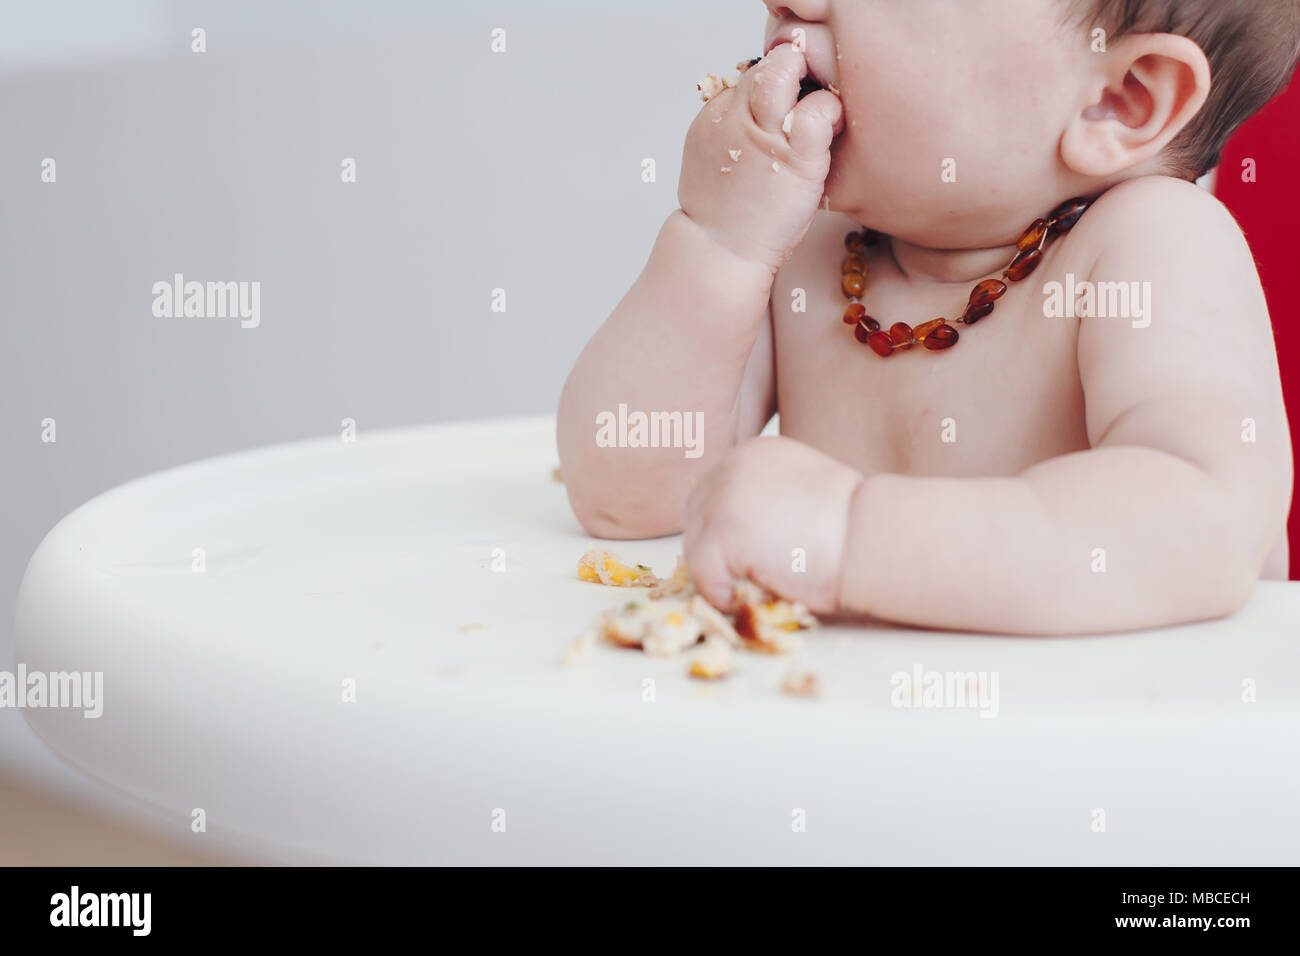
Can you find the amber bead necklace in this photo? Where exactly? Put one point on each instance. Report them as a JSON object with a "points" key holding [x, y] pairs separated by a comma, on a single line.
{"points": [[937, 335]]}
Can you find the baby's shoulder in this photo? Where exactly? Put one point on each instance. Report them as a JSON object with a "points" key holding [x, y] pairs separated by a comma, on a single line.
{"points": [[1176, 242], [1154, 215]]}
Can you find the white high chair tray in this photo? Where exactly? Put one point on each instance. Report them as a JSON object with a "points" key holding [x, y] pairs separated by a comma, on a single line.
{"points": [[373, 562]]}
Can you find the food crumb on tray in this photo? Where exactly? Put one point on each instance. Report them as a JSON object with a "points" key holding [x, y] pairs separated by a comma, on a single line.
{"points": [[604, 567], [770, 625], [801, 683], [713, 661], [580, 648]]}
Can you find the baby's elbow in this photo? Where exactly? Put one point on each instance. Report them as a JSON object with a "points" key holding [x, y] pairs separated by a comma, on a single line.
{"points": [[620, 520], [599, 523], [1232, 588], [612, 499], [1231, 571]]}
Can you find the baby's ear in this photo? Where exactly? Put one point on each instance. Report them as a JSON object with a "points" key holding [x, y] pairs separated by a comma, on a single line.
{"points": [[1145, 89]]}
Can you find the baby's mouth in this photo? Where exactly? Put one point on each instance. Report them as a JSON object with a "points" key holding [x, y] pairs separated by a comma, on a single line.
{"points": [[812, 80], [809, 84]]}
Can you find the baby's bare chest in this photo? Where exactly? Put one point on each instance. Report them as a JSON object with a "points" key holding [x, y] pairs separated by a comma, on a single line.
{"points": [[1005, 396]]}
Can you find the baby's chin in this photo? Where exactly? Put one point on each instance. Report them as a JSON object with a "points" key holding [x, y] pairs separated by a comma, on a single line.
{"points": [[854, 186], [842, 193]]}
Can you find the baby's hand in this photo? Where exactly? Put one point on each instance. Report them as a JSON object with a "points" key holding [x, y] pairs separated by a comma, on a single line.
{"points": [[775, 512], [756, 159]]}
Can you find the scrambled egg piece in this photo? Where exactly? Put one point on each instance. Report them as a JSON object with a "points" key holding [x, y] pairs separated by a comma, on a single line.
{"points": [[771, 626], [713, 662], [604, 567], [661, 630], [626, 626], [801, 683]]}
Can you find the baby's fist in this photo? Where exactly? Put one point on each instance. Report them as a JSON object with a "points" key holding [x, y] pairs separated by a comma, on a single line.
{"points": [[757, 157], [774, 512]]}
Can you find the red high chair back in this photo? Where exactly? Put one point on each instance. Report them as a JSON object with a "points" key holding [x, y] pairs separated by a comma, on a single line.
{"points": [[1268, 210]]}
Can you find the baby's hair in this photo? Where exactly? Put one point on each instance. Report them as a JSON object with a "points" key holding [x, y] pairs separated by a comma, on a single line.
{"points": [[1252, 47]]}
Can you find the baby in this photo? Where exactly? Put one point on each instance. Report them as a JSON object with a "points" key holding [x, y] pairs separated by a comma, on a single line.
{"points": [[1093, 441]]}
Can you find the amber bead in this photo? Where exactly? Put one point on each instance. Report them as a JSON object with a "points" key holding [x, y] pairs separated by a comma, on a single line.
{"points": [[1023, 264], [1064, 216], [976, 311], [921, 331], [1033, 237], [900, 333], [854, 263], [861, 332], [853, 283], [854, 313], [853, 242], [870, 323], [880, 343], [944, 337], [990, 290]]}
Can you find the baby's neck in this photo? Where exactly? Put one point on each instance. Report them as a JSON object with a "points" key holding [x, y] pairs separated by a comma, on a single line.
{"points": [[920, 264]]}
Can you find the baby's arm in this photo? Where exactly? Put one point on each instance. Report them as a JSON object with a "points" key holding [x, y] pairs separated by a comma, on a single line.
{"points": [[690, 336], [1184, 502], [693, 334]]}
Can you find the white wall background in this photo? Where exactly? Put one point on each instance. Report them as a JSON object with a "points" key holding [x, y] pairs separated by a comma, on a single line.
{"points": [[475, 170]]}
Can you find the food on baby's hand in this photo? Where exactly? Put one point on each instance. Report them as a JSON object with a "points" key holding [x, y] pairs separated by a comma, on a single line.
{"points": [[713, 84], [709, 87], [603, 566]]}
